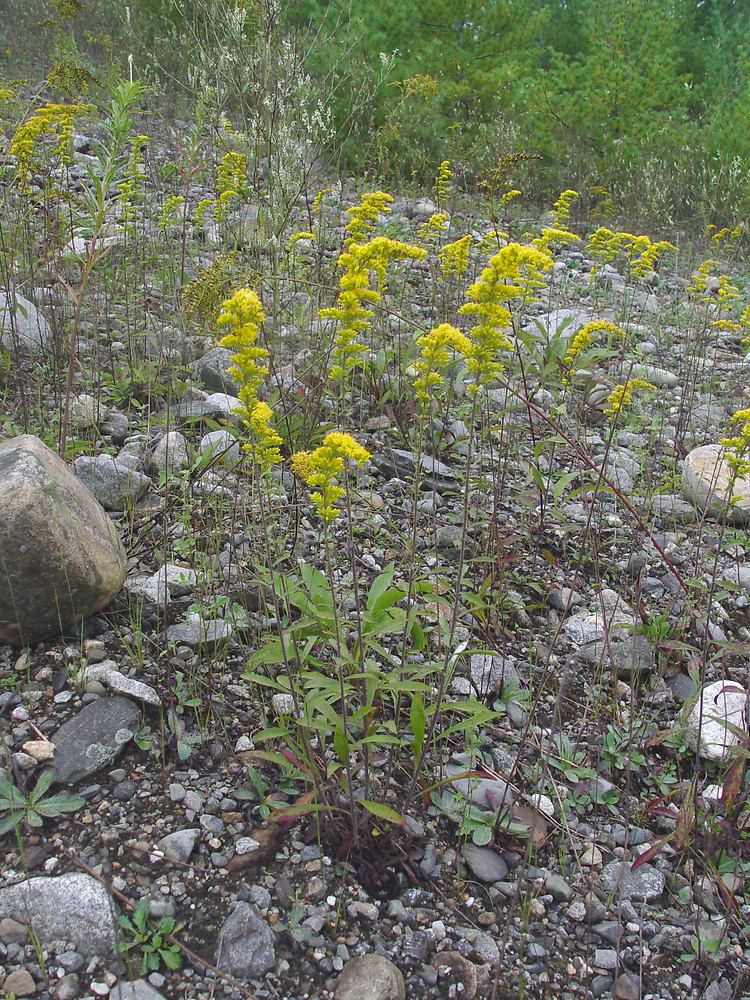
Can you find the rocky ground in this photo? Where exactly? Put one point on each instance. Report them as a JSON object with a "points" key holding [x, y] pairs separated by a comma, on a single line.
{"points": [[612, 639]]}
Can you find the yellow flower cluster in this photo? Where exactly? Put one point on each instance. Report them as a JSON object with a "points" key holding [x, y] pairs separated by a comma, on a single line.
{"points": [[513, 274], [433, 229], [641, 254], [51, 119], [442, 186], [241, 316], [561, 208], [298, 237], [622, 395], [169, 209], [585, 337], [362, 217], [718, 290], [132, 184], [454, 257], [231, 180], [737, 448], [319, 198], [323, 467], [493, 241], [509, 196], [264, 440], [725, 237], [551, 236], [438, 348], [351, 313]]}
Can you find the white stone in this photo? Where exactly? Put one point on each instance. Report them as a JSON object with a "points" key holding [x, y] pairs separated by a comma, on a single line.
{"points": [[707, 481], [721, 705]]}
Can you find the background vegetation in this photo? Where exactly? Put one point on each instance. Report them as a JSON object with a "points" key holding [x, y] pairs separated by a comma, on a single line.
{"points": [[645, 101]]}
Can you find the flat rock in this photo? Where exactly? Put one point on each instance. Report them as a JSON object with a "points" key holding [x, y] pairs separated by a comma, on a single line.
{"points": [[22, 326], [61, 555], [626, 655], [370, 977], [485, 863], [398, 462], [645, 883], [115, 485], [19, 984], [94, 738], [669, 507], [74, 907], [246, 945], [659, 377], [720, 705], [112, 678], [138, 989], [706, 482]]}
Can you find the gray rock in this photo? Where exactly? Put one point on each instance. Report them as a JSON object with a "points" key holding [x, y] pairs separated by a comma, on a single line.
{"points": [[738, 575], [85, 411], [551, 322], [19, 984], [138, 989], [61, 556], [721, 705], [116, 425], [645, 883], [68, 988], [213, 371], [558, 888], [178, 846], [397, 462], [73, 907], [626, 987], [485, 863], [113, 484], [709, 483], [672, 508], [490, 674], [370, 977], [22, 326], [171, 454], [656, 376], [626, 656], [108, 674], [94, 738], [223, 446], [246, 944]]}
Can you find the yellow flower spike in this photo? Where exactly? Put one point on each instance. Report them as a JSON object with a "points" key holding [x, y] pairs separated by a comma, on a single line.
{"points": [[442, 187], [454, 257], [561, 208], [319, 198], [433, 229], [515, 273], [510, 196], [584, 338], [51, 119], [351, 314], [323, 468], [241, 316], [737, 449], [298, 237], [264, 441], [622, 396], [362, 217], [438, 348]]}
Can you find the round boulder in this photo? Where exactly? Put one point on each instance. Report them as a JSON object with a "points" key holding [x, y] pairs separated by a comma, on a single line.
{"points": [[709, 482], [61, 558]]}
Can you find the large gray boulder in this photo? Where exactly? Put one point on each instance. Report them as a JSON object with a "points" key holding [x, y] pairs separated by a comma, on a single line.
{"points": [[61, 558], [73, 907], [22, 326], [708, 482]]}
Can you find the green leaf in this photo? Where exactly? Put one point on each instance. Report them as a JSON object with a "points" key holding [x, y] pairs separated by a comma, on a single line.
{"points": [[379, 586], [60, 804], [382, 811], [171, 958], [417, 724], [482, 835], [9, 822], [340, 742]]}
